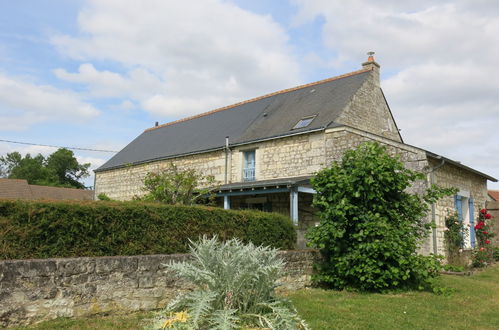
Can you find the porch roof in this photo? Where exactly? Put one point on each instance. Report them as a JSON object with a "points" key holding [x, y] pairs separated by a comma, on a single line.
{"points": [[303, 181]]}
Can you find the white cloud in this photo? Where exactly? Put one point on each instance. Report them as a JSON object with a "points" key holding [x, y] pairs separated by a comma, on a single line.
{"points": [[440, 63], [181, 57], [23, 103]]}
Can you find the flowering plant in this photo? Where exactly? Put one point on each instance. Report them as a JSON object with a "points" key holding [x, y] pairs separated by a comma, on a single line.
{"points": [[483, 254], [454, 237]]}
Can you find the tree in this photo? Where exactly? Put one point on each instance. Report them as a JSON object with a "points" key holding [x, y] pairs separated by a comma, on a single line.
{"points": [[59, 169], [371, 226], [176, 186], [67, 169]]}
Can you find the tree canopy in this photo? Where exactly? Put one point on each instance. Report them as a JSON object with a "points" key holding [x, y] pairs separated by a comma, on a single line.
{"points": [[177, 186], [59, 169], [371, 226]]}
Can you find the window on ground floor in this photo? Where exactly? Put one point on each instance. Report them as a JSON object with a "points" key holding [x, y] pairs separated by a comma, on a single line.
{"points": [[465, 211]]}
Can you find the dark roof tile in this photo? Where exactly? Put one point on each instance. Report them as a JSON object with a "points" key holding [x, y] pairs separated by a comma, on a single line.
{"points": [[267, 116]]}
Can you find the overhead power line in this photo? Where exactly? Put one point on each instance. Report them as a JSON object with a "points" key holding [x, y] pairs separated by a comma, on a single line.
{"points": [[52, 146]]}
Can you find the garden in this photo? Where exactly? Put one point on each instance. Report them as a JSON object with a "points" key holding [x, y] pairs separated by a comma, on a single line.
{"points": [[369, 274]]}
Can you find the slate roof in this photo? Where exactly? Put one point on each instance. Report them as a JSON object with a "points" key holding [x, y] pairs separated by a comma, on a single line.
{"points": [[20, 189], [268, 116]]}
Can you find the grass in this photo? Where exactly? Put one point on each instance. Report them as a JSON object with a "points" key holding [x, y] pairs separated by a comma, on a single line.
{"points": [[472, 304], [122, 322]]}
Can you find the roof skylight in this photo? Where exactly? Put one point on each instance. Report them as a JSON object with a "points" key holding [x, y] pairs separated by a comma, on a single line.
{"points": [[304, 122]]}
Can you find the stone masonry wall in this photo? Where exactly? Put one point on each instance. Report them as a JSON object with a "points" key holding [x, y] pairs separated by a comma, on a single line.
{"points": [[36, 290], [125, 183], [369, 111], [493, 208], [286, 157], [452, 176]]}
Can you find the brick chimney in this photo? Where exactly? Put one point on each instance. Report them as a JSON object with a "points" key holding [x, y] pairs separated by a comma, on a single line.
{"points": [[372, 65]]}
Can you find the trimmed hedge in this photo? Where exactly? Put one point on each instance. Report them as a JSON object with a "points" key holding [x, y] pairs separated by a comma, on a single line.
{"points": [[37, 229]]}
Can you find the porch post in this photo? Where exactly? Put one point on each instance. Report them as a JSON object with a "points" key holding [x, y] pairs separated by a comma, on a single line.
{"points": [[293, 205], [227, 202]]}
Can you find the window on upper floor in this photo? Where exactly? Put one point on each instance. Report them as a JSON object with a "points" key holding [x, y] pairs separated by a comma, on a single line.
{"points": [[304, 122], [249, 165]]}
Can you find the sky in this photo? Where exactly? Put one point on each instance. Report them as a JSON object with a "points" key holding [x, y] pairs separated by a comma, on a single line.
{"points": [[94, 74]]}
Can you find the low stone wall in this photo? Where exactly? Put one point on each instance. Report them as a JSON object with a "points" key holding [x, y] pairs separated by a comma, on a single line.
{"points": [[36, 290]]}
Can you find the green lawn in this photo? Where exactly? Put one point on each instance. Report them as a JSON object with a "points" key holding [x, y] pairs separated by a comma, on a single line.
{"points": [[474, 304]]}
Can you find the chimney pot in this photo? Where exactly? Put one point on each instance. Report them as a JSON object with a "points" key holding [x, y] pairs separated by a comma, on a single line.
{"points": [[156, 124], [371, 63]]}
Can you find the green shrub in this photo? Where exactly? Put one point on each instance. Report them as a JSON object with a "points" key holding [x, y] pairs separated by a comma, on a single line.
{"points": [[103, 197], [234, 289], [66, 229], [495, 253], [371, 227]]}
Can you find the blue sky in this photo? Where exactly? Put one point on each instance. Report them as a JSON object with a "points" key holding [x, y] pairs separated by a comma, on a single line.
{"points": [[95, 74]]}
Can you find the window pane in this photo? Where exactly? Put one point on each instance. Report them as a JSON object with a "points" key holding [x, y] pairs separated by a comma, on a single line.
{"points": [[304, 122]]}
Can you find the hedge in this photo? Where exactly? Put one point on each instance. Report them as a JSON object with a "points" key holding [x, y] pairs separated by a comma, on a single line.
{"points": [[35, 229]]}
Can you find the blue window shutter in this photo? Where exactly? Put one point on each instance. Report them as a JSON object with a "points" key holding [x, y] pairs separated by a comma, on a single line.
{"points": [[459, 207], [472, 223]]}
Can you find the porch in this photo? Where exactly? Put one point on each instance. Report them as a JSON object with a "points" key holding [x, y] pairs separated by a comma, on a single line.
{"points": [[289, 196]]}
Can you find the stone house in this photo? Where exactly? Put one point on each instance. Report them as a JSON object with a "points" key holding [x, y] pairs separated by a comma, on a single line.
{"points": [[263, 151]]}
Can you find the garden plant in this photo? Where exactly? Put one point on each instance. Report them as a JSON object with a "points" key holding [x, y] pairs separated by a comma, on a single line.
{"points": [[455, 235], [483, 255], [234, 289], [371, 225]]}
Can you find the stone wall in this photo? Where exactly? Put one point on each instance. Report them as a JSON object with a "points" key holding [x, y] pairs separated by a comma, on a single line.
{"points": [[36, 290], [125, 183], [468, 183], [493, 208], [368, 110], [286, 157]]}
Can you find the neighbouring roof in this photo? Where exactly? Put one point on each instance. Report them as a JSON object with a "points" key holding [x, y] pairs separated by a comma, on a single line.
{"points": [[494, 194], [268, 116], [20, 189]]}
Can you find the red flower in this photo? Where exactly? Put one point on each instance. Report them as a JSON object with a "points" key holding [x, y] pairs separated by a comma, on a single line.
{"points": [[487, 216], [487, 242], [482, 249], [480, 225], [483, 211], [485, 232]]}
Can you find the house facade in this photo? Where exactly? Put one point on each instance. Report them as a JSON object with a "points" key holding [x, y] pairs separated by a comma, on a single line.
{"points": [[262, 152]]}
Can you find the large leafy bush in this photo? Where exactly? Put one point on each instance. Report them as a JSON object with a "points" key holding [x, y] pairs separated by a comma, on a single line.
{"points": [[70, 229], [234, 289], [371, 225]]}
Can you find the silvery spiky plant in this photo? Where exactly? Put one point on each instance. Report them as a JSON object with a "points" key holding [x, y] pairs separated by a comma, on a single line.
{"points": [[235, 285]]}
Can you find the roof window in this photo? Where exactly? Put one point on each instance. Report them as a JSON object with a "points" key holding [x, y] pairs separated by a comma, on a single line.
{"points": [[304, 122]]}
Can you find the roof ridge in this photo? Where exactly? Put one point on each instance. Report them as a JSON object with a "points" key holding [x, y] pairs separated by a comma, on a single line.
{"points": [[353, 73]]}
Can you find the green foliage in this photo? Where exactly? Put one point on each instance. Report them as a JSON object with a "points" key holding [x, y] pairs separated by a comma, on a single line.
{"points": [[483, 255], [454, 237], [175, 186], [34, 229], [234, 289], [495, 253], [59, 169], [67, 169], [371, 226], [453, 268], [103, 197]]}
